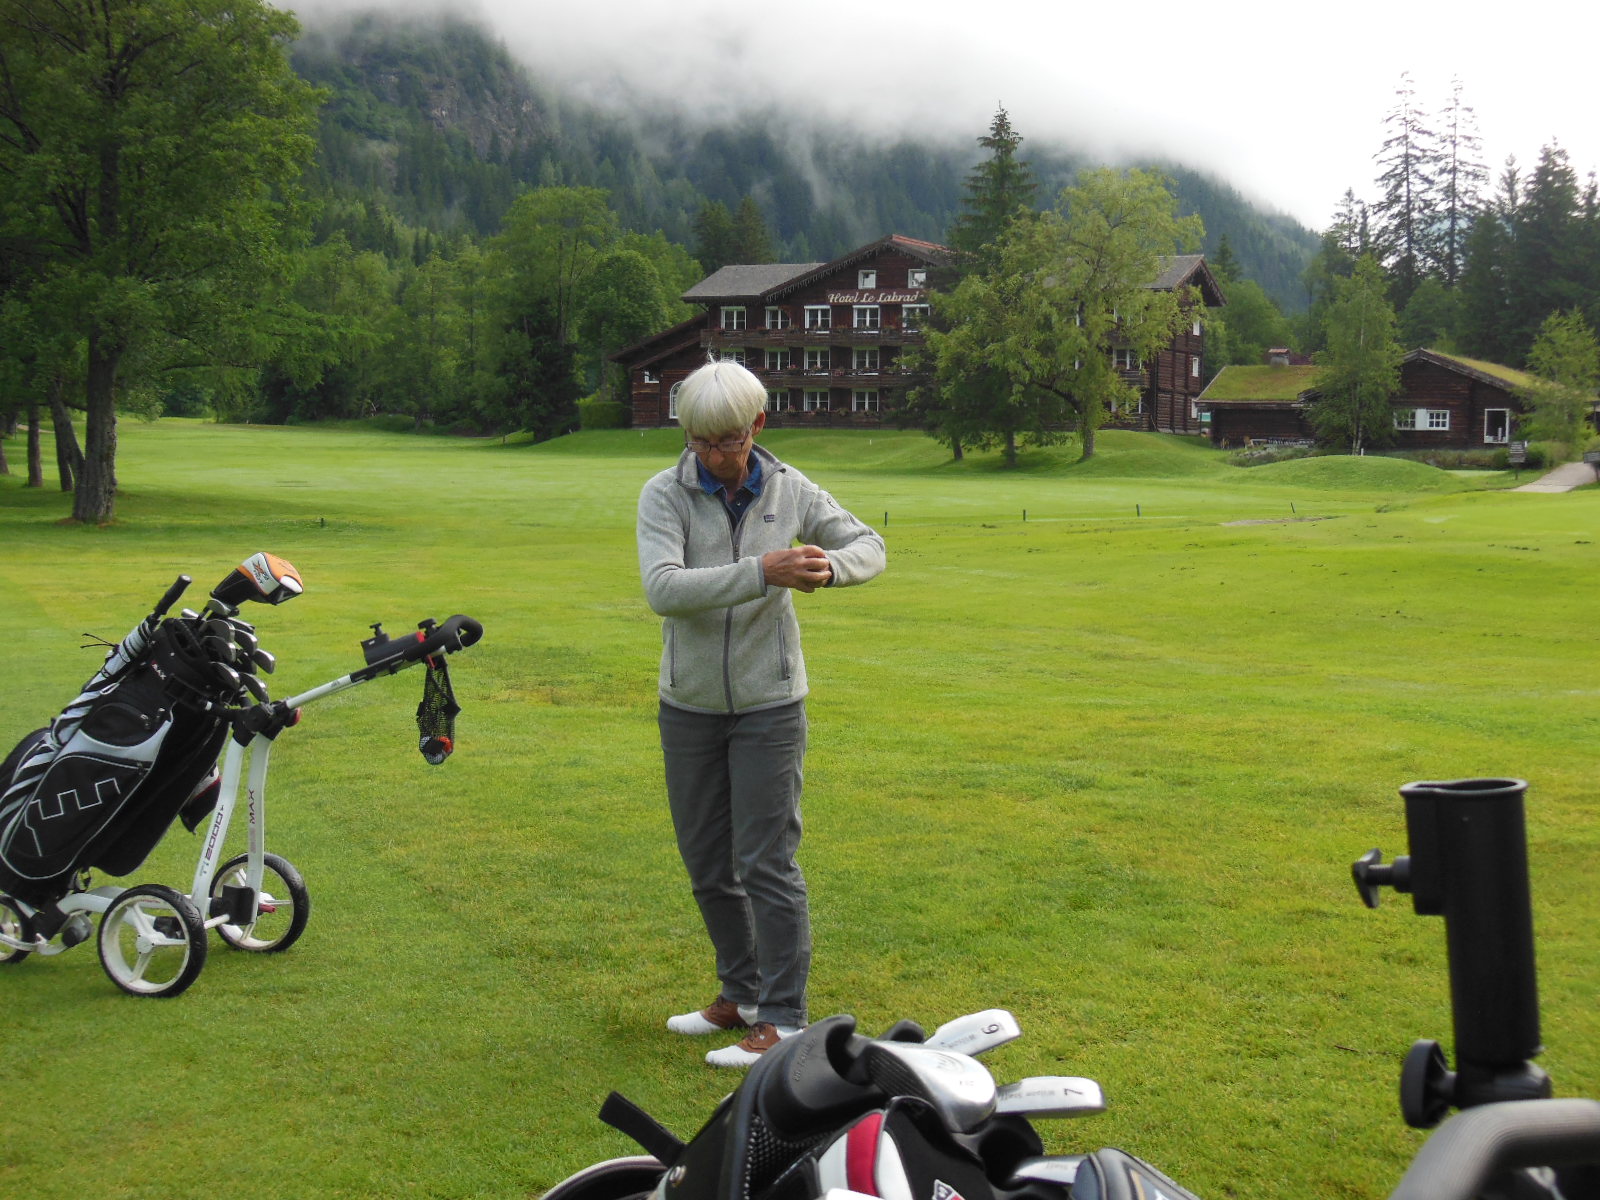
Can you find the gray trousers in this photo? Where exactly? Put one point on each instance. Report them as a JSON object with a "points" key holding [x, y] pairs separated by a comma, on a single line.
{"points": [[733, 784]]}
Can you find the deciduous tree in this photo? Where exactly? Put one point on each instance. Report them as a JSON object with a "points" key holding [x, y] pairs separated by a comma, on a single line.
{"points": [[149, 157], [1037, 334], [1360, 370], [1565, 362]]}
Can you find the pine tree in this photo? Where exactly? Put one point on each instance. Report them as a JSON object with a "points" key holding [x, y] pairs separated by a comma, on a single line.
{"points": [[997, 189], [713, 236], [1461, 178], [1406, 212], [750, 240]]}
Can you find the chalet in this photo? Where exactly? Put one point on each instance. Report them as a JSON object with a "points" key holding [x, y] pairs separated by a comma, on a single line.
{"points": [[825, 338], [1170, 384], [828, 340], [1445, 402]]}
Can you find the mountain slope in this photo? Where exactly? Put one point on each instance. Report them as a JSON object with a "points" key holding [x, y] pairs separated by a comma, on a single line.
{"points": [[435, 119]]}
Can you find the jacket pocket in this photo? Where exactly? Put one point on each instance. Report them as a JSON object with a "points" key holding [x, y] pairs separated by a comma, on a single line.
{"points": [[669, 632], [783, 652]]}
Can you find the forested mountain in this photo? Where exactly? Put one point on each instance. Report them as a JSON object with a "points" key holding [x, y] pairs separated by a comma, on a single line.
{"points": [[434, 120]]}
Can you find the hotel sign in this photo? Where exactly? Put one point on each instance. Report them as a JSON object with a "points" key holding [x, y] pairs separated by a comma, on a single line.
{"points": [[910, 296]]}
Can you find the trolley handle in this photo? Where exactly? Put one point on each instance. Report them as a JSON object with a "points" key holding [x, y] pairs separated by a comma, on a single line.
{"points": [[1474, 1145], [455, 633]]}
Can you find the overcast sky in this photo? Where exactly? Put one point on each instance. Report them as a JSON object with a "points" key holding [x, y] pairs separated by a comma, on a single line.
{"points": [[1284, 102]]}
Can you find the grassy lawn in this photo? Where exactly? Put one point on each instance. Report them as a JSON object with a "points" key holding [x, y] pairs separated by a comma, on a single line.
{"points": [[1099, 747]]}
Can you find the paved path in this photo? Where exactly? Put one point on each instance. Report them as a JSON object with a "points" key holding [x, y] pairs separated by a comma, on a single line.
{"points": [[1563, 479]]}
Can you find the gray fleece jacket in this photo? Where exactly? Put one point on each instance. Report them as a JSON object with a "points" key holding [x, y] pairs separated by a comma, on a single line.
{"points": [[731, 643]]}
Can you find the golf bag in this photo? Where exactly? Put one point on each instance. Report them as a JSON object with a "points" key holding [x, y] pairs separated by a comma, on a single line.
{"points": [[831, 1115], [101, 784]]}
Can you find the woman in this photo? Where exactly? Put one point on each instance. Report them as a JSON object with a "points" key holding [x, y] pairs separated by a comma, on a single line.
{"points": [[717, 554]]}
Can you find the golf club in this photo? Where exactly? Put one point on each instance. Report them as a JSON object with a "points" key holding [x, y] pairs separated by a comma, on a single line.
{"points": [[960, 1089], [976, 1032], [1060, 1169], [1050, 1096]]}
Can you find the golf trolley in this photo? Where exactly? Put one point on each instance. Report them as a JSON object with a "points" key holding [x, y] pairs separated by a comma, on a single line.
{"points": [[138, 749], [831, 1115]]}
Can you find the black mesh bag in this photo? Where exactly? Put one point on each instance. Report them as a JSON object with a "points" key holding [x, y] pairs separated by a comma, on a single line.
{"points": [[436, 715]]}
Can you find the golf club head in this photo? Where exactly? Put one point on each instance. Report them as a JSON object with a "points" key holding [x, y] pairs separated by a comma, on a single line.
{"points": [[957, 1087], [229, 677], [976, 1032], [265, 660], [264, 578], [1050, 1096], [219, 650], [256, 688], [246, 638], [1059, 1169]]}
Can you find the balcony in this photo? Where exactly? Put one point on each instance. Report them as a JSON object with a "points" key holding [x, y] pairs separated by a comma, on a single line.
{"points": [[716, 339]]}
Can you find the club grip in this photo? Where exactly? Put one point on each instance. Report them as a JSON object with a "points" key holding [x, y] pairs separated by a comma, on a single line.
{"points": [[179, 586]]}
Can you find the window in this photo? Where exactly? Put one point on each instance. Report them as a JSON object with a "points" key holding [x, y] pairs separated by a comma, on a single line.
{"points": [[777, 317], [819, 316], [915, 316], [1195, 329], [732, 354], [778, 360], [917, 277], [650, 376], [1422, 418], [864, 400], [780, 401], [1497, 425], [816, 400], [817, 358], [733, 317], [866, 279], [1125, 359], [672, 401], [1194, 366], [866, 316], [864, 358]]}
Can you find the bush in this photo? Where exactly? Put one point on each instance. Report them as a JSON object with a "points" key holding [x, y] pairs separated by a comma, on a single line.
{"points": [[1457, 460], [1256, 456], [603, 414], [1540, 456]]}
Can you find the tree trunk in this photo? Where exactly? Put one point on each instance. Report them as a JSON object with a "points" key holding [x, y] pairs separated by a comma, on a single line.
{"points": [[5, 468], [69, 457], [1011, 447], [35, 438], [956, 452], [94, 502], [1086, 436]]}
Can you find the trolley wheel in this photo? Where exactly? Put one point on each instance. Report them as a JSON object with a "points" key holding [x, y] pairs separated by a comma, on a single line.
{"points": [[282, 909], [14, 923], [632, 1178], [152, 941]]}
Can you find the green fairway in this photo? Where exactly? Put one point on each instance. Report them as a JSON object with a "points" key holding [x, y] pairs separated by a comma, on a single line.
{"points": [[1099, 747]]}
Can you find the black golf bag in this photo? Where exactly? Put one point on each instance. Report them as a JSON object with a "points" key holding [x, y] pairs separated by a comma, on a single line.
{"points": [[101, 784]]}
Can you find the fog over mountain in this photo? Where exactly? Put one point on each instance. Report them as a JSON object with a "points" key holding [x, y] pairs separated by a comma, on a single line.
{"points": [[1286, 105]]}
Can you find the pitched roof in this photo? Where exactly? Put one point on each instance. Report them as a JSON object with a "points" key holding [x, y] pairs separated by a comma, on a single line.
{"points": [[1258, 385], [745, 282], [767, 281], [1490, 373], [658, 345], [1180, 270]]}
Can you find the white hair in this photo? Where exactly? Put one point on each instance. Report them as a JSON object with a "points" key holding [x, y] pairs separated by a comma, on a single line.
{"points": [[719, 398]]}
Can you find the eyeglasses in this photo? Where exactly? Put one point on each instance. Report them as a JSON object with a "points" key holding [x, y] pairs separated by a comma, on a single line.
{"points": [[726, 446]]}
